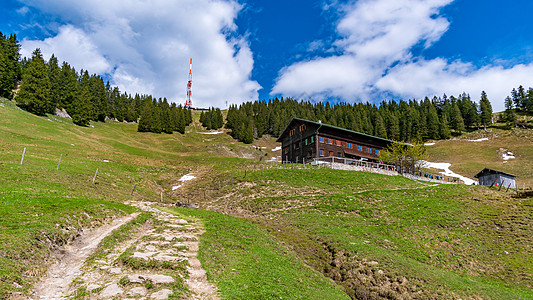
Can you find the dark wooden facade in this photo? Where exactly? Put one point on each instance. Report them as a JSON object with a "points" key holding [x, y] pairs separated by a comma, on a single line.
{"points": [[498, 178], [303, 140]]}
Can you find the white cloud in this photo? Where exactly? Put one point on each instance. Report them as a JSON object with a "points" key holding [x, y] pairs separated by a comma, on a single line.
{"points": [[375, 46], [145, 46], [438, 76], [71, 45]]}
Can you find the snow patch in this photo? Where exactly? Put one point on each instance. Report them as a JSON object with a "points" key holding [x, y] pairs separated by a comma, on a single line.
{"points": [[183, 178], [212, 132], [447, 171], [508, 155], [479, 140], [277, 148], [429, 144]]}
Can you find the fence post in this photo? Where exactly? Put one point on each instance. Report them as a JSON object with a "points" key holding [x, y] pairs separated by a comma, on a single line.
{"points": [[23, 153], [161, 196], [59, 161], [94, 178], [133, 190]]}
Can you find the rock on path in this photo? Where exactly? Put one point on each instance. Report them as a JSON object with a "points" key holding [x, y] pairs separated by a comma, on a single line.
{"points": [[157, 261]]}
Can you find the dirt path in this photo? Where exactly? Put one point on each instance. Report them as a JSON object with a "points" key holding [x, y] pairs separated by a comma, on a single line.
{"points": [[158, 261], [71, 258]]}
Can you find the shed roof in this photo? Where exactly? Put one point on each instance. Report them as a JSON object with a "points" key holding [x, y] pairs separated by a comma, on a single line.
{"points": [[487, 171], [285, 131]]}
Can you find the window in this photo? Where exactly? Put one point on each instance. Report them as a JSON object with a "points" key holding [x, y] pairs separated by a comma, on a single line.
{"points": [[321, 152], [377, 152], [338, 154], [349, 145], [292, 131], [306, 142], [302, 127], [330, 141], [339, 143], [312, 139], [368, 150], [330, 153], [321, 139], [359, 148]]}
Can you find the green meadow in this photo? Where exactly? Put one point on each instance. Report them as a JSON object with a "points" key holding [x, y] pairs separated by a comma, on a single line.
{"points": [[289, 232]]}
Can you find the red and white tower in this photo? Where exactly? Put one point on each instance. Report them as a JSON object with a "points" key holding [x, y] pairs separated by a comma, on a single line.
{"points": [[188, 101]]}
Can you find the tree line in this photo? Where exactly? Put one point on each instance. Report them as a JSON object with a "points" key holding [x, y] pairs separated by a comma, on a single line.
{"points": [[438, 118], [46, 86], [212, 119]]}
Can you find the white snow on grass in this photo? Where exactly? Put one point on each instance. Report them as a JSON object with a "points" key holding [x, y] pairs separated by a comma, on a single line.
{"points": [[277, 148], [212, 132], [479, 140], [183, 178], [429, 144], [447, 171], [508, 155]]}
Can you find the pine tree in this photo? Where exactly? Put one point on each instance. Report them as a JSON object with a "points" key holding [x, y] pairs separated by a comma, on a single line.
{"points": [[485, 110], [34, 94], [54, 74], [509, 115], [457, 122], [10, 71], [68, 87]]}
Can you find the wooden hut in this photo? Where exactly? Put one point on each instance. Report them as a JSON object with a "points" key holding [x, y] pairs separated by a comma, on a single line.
{"points": [[498, 178]]}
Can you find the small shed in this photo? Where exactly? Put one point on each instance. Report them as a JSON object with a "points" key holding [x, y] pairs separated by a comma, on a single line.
{"points": [[493, 177]]}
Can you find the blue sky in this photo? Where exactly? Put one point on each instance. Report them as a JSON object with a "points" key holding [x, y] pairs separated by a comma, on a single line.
{"points": [[322, 50]]}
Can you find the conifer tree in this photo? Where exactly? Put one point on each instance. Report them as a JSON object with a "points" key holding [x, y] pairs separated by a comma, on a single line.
{"points": [[485, 110], [54, 73], [34, 94], [509, 115], [10, 71], [68, 87], [457, 122]]}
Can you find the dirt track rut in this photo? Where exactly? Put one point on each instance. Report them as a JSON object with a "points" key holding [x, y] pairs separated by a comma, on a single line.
{"points": [[158, 261]]}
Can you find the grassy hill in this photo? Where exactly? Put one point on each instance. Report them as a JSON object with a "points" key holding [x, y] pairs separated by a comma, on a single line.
{"points": [[472, 152], [271, 232]]}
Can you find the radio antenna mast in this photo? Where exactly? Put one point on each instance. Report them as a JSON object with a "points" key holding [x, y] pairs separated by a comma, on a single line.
{"points": [[188, 101]]}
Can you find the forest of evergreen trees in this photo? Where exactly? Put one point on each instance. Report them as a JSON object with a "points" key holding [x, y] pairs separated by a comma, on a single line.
{"points": [[45, 87], [212, 119], [438, 118]]}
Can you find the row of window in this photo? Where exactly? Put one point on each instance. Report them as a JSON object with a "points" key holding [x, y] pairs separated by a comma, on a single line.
{"points": [[348, 145], [301, 128], [330, 153]]}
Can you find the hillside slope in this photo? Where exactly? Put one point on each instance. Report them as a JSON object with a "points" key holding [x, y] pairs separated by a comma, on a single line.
{"points": [[510, 151], [271, 231]]}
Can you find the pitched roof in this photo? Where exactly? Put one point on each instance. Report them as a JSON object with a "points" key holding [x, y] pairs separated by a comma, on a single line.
{"points": [[331, 127], [491, 171]]}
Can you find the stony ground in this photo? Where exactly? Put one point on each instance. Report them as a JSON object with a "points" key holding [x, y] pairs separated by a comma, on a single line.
{"points": [[158, 261]]}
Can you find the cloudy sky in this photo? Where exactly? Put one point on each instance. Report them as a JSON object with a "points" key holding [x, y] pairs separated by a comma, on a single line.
{"points": [[336, 50]]}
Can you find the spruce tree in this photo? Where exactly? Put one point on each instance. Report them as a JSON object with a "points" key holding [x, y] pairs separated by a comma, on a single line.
{"points": [[34, 93], [509, 115], [54, 74], [10, 71], [485, 110], [457, 122]]}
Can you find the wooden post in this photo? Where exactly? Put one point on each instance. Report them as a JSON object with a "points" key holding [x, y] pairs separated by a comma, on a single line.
{"points": [[23, 153], [59, 161], [94, 178], [133, 190], [493, 182], [161, 196]]}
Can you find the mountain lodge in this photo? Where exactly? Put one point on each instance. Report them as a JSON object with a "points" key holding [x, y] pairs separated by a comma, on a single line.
{"points": [[304, 140]]}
